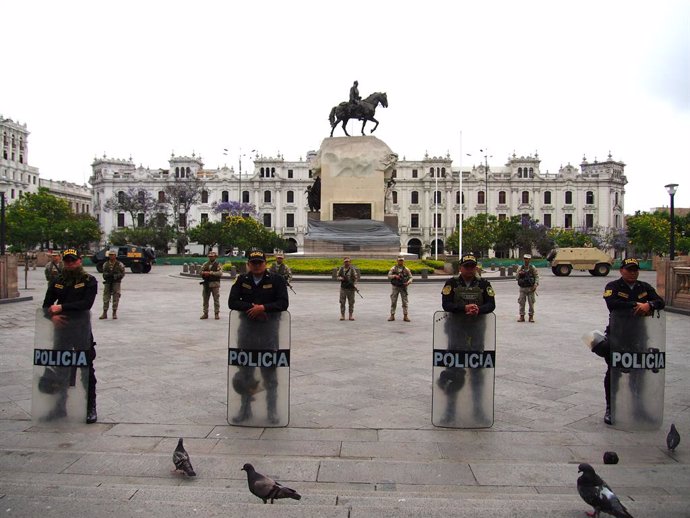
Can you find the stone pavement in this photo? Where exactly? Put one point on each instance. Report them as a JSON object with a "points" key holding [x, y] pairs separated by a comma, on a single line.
{"points": [[360, 441]]}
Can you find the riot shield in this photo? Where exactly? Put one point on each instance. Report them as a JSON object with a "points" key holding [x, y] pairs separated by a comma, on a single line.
{"points": [[464, 360], [259, 370], [638, 370], [61, 361]]}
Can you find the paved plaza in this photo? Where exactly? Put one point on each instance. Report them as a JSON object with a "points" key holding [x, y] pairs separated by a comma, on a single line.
{"points": [[360, 441]]}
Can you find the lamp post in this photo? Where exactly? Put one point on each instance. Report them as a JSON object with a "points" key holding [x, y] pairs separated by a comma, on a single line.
{"points": [[3, 227], [671, 189], [225, 152], [486, 177]]}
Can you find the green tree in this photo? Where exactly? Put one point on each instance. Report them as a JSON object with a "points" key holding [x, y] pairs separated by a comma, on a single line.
{"points": [[245, 233], [209, 234], [568, 237], [507, 234], [81, 230], [37, 219], [649, 233], [478, 234]]}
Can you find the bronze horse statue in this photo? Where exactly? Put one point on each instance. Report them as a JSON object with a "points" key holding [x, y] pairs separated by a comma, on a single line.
{"points": [[364, 111]]}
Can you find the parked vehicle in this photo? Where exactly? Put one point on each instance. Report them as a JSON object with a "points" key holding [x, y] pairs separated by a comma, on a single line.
{"points": [[138, 258], [564, 260]]}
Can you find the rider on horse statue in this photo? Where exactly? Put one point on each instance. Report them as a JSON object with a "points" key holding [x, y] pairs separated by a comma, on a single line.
{"points": [[354, 96]]}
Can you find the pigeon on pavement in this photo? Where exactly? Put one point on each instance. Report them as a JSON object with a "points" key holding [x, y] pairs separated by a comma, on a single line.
{"points": [[266, 488], [673, 438], [598, 494], [181, 460]]}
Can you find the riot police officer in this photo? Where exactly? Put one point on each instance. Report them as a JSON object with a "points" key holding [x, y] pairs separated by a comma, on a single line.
{"points": [[258, 293], [67, 303], [468, 293], [629, 295]]}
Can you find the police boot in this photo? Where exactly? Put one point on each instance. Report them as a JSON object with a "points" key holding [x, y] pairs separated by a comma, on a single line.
{"points": [[271, 407], [406, 318], [521, 319], [531, 318], [245, 410], [114, 314], [91, 415], [392, 317], [104, 315], [217, 316]]}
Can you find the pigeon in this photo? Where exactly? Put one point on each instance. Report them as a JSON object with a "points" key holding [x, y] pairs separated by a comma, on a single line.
{"points": [[673, 438], [598, 494], [181, 460], [266, 488], [610, 457]]}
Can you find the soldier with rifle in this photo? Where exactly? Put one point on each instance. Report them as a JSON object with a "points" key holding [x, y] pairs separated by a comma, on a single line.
{"points": [[211, 273], [113, 273], [400, 277], [348, 276], [282, 269]]}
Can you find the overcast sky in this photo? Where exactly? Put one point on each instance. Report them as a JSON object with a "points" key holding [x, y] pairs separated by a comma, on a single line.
{"points": [[145, 78]]}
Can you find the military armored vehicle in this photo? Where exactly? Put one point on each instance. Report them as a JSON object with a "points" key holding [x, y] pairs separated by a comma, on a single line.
{"points": [[138, 258], [564, 260]]}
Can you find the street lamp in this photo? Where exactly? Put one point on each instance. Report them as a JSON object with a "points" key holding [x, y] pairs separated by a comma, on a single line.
{"points": [[225, 152], [3, 227], [486, 177], [671, 189]]}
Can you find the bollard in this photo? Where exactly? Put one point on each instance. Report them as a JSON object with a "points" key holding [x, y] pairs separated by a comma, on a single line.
{"points": [[425, 273], [334, 273], [511, 270], [233, 272], [493, 267], [185, 268], [502, 271]]}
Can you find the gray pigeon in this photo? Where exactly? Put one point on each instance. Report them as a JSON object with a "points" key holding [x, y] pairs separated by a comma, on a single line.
{"points": [[181, 460], [267, 488], [673, 438], [598, 494]]}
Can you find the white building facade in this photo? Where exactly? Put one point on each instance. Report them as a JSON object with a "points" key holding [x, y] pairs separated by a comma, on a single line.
{"points": [[16, 175], [426, 196]]}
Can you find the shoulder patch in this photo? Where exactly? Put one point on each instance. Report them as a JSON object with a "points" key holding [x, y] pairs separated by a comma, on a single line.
{"points": [[80, 285], [268, 286], [490, 292], [608, 293], [447, 290]]}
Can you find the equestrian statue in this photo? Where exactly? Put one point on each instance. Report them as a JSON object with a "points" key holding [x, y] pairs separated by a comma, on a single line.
{"points": [[357, 108]]}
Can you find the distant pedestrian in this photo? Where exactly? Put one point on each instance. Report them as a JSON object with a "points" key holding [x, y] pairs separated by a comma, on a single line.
{"points": [[211, 272], [528, 280], [348, 277], [400, 277], [113, 273], [54, 267]]}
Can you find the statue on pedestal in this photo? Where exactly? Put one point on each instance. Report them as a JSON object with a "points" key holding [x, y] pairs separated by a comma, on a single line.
{"points": [[356, 108]]}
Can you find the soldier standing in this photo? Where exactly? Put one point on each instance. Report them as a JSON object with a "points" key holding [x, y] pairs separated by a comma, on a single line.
{"points": [[54, 267], [400, 277], [67, 303], [113, 273], [528, 280], [211, 272], [348, 277], [282, 269]]}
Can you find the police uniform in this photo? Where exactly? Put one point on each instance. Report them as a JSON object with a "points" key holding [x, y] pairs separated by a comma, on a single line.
{"points": [[270, 291], [620, 296], [400, 277], [113, 273], [76, 298], [211, 285], [457, 294]]}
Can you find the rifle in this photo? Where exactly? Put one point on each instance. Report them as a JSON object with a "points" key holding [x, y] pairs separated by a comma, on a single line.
{"points": [[350, 285], [290, 286]]}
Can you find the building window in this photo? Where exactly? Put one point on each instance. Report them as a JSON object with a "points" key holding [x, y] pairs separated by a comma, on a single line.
{"points": [[525, 197], [437, 220], [267, 220], [414, 220], [245, 196], [568, 221], [415, 174], [224, 197], [547, 197], [394, 196], [589, 220], [457, 197], [501, 197], [204, 196], [290, 173], [615, 198], [120, 197], [290, 197], [120, 219], [617, 221], [204, 217], [589, 198], [568, 197], [394, 174], [437, 197], [481, 198], [290, 220], [161, 219], [161, 196], [547, 220], [267, 199], [140, 219], [501, 217], [414, 198]]}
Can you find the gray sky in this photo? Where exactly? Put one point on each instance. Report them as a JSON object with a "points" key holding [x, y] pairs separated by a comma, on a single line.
{"points": [[144, 78]]}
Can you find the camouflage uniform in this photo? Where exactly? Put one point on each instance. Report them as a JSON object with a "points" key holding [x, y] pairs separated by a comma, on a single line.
{"points": [[347, 289], [52, 271], [112, 277], [211, 284], [283, 270], [528, 280], [399, 288]]}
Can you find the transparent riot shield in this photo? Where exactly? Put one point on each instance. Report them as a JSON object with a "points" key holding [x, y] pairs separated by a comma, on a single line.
{"points": [[61, 359], [464, 360], [638, 367], [259, 370]]}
